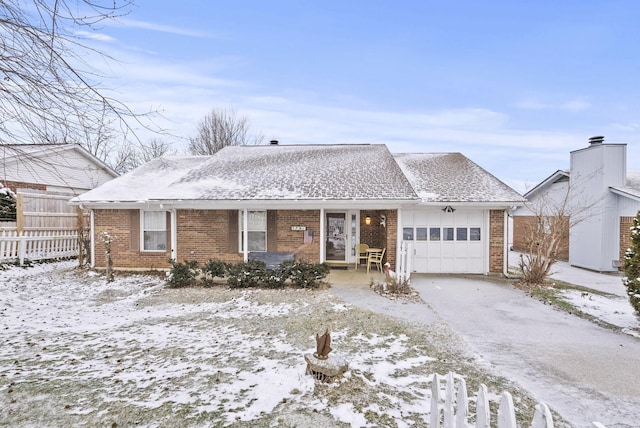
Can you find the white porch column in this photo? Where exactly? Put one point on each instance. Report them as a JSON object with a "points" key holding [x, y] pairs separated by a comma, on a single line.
{"points": [[174, 234], [92, 230], [245, 235], [322, 236], [399, 239]]}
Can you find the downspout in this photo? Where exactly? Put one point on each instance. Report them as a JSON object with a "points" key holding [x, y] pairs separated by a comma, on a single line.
{"points": [[174, 234], [93, 241], [505, 234], [399, 241]]}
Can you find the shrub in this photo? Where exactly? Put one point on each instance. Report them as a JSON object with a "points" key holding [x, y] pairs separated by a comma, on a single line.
{"points": [[306, 275], [213, 269], [183, 274], [247, 274], [632, 266]]}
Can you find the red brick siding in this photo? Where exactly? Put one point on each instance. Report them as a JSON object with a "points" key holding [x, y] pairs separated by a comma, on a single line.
{"points": [[118, 224], [204, 235], [15, 185], [625, 237], [377, 236], [522, 230], [496, 241]]}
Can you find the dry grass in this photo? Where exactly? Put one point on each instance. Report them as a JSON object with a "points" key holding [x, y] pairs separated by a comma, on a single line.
{"points": [[209, 356]]}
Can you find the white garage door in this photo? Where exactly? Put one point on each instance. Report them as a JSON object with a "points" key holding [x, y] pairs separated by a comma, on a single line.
{"points": [[446, 242]]}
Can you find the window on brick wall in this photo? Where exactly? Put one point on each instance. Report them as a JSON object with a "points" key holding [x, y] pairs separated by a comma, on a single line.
{"points": [[257, 231], [154, 230]]}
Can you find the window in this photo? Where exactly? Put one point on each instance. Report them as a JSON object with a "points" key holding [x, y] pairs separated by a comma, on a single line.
{"points": [[257, 236], [154, 231], [421, 234], [407, 233], [461, 234], [434, 233], [474, 234], [447, 233]]}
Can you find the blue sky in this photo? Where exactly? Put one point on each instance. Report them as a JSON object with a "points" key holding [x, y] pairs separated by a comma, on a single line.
{"points": [[513, 85]]}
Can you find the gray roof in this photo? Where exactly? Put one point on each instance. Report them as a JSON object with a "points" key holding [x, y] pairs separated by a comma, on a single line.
{"points": [[632, 187], [452, 177], [358, 172]]}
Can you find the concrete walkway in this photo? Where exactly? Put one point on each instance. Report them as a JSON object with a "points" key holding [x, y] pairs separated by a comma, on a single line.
{"points": [[582, 371]]}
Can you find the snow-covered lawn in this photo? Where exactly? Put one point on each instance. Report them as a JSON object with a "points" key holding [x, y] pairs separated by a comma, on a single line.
{"points": [[75, 351]]}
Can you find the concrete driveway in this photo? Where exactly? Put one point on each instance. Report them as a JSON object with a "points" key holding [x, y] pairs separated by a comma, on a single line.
{"points": [[584, 372]]}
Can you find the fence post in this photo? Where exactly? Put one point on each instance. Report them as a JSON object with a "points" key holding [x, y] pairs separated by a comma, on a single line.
{"points": [[435, 400], [483, 417], [448, 402], [462, 405], [506, 412], [542, 417], [22, 248], [19, 213]]}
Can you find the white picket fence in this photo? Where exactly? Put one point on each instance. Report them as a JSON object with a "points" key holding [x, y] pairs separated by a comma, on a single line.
{"points": [[450, 409], [37, 245], [404, 265]]}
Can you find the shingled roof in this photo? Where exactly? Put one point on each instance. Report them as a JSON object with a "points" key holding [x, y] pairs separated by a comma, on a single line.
{"points": [[452, 177], [358, 172]]}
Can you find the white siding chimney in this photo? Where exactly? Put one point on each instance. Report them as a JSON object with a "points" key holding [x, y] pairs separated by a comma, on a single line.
{"points": [[593, 170]]}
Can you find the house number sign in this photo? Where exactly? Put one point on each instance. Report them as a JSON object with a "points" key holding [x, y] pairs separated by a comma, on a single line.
{"points": [[298, 227]]}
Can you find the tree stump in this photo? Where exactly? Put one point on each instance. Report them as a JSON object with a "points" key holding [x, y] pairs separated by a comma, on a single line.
{"points": [[326, 370]]}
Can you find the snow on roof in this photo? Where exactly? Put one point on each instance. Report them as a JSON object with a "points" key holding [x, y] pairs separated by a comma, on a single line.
{"points": [[359, 172], [632, 187], [452, 177], [305, 172], [143, 182]]}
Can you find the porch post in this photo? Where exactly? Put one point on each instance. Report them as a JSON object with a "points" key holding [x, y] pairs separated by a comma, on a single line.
{"points": [[245, 235], [92, 231], [322, 235], [399, 239], [174, 234]]}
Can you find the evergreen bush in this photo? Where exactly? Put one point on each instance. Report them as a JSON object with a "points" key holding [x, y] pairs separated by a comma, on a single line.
{"points": [[631, 279], [247, 274], [213, 269], [307, 275], [183, 274]]}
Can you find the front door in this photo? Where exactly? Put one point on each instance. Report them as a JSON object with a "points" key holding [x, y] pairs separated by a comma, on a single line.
{"points": [[336, 239]]}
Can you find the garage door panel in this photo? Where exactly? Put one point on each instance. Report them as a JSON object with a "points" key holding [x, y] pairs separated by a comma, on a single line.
{"points": [[434, 255]]}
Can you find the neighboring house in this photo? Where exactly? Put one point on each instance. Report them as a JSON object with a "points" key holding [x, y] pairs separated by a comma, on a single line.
{"points": [[62, 168], [317, 201], [602, 193], [45, 177]]}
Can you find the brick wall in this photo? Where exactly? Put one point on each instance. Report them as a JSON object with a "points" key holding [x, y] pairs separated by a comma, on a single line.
{"points": [[496, 241], [377, 236], [15, 185], [124, 253], [204, 235], [625, 237], [522, 230], [293, 240]]}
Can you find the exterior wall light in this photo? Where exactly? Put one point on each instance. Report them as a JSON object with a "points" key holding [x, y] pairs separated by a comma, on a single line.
{"points": [[367, 220]]}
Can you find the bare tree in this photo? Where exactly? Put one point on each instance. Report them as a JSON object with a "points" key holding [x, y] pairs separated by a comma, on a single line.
{"points": [[546, 233], [47, 85], [130, 156], [219, 129]]}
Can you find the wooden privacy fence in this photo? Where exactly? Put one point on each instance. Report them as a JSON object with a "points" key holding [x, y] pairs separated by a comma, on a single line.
{"points": [[450, 409], [47, 211], [37, 245]]}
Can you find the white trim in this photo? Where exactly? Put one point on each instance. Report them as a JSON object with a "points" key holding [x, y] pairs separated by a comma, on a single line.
{"points": [[487, 246], [322, 236], [399, 240], [245, 236], [174, 234], [505, 238]]}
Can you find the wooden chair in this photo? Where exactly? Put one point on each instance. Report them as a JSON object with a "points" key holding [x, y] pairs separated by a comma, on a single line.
{"points": [[376, 258], [361, 253]]}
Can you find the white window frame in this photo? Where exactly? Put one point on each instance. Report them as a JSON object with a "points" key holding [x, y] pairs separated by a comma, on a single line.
{"points": [[241, 230], [143, 230]]}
